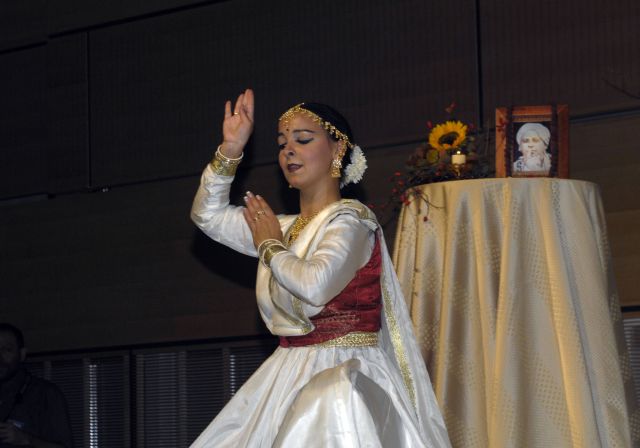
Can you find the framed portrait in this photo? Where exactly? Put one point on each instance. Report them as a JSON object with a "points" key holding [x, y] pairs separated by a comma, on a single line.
{"points": [[532, 141]]}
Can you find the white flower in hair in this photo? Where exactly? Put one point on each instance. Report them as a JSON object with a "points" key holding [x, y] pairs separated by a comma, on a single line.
{"points": [[355, 170]]}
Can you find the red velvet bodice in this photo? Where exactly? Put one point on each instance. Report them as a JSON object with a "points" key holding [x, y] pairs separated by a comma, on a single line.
{"points": [[357, 308]]}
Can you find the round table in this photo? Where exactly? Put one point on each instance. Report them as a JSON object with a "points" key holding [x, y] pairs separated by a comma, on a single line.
{"points": [[511, 292]]}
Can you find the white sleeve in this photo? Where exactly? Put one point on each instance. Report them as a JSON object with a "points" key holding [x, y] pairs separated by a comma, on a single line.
{"points": [[346, 246], [220, 221]]}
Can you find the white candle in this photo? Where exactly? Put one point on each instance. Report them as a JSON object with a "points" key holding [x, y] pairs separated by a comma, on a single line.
{"points": [[458, 158]]}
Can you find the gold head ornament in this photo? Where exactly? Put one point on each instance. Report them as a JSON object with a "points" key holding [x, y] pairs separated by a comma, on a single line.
{"points": [[286, 117]]}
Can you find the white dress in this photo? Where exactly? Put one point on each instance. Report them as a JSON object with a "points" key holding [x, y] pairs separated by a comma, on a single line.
{"points": [[318, 396]]}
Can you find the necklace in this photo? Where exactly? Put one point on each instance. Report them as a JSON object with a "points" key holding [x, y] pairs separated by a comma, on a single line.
{"points": [[298, 225]]}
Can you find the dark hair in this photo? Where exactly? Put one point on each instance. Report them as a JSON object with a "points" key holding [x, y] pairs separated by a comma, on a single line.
{"points": [[15, 331], [328, 113]]}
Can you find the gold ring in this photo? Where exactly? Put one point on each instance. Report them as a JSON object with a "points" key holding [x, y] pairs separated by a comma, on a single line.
{"points": [[236, 113], [261, 212], [256, 219]]}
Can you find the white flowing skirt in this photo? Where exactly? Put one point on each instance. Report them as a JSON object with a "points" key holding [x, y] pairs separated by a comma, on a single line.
{"points": [[319, 397]]}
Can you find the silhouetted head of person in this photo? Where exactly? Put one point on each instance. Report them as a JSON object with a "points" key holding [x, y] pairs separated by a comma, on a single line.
{"points": [[12, 351]]}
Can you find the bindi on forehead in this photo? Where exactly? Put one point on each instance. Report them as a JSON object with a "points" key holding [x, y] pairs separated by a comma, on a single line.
{"points": [[296, 131]]}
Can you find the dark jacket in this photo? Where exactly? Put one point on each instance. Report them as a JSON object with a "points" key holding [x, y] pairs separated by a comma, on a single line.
{"points": [[37, 407]]}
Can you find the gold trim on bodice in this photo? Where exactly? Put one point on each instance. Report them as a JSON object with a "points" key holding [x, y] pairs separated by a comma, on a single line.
{"points": [[353, 339]]}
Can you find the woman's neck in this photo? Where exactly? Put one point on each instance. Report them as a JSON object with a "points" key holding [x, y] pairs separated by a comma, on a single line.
{"points": [[312, 202]]}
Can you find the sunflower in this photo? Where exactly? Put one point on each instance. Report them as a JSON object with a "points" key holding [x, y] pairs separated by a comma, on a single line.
{"points": [[448, 135]]}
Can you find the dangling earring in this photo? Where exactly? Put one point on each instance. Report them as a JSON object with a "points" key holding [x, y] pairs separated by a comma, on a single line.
{"points": [[336, 164]]}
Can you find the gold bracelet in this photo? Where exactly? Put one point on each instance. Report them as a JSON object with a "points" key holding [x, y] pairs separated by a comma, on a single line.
{"points": [[263, 245], [268, 249], [271, 251], [223, 165]]}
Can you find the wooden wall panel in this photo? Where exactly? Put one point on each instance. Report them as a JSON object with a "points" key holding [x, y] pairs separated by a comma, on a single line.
{"points": [[158, 85], [23, 122], [22, 22], [624, 239], [44, 118], [67, 114], [560, 51], [25, 22], [118, 267], [605, 152], [65, 16]]}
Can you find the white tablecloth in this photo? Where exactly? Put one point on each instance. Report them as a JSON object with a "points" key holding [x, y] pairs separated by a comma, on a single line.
{"points": [[511, 292]]}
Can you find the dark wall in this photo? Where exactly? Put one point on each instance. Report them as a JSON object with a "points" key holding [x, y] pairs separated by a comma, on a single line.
{"points": [[143, 98], [111, 109]]}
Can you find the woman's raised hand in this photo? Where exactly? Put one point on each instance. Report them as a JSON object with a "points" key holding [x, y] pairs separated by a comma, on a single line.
{"points": [[237, 125], [261, 220]]}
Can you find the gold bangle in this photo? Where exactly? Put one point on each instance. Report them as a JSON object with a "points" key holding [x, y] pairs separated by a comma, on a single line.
{"points": [[237, 160], [262, 246], [268, 249], [271, 251], [223, 165]]}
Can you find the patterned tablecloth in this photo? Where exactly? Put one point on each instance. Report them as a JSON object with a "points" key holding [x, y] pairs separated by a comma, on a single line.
{"points": [[511, 291]]}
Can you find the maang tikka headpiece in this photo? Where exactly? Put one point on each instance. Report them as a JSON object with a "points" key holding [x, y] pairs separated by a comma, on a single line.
{"points": [[354, 171]]}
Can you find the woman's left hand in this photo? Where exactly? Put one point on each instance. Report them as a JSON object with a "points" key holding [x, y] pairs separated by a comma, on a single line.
{"points": [[261, 220]]}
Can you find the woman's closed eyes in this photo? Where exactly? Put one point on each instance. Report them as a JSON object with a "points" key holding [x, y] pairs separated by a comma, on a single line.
{"points": [[302, 141]]}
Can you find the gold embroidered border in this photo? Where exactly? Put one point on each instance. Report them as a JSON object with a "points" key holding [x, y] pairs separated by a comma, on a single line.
{"points": [[363, 212], [396, 340], [297, 307], [353, 339], [296, 303], [306, 327]]}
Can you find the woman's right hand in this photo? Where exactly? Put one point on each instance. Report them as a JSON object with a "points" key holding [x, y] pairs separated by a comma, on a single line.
{"points": [[237, 125]]}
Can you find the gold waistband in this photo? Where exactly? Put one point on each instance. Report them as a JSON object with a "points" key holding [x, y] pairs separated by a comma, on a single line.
{"points": [[353, 339]]}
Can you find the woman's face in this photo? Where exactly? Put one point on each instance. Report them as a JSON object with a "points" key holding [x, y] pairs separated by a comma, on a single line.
{"points": [[532, 145], [306, 152]]}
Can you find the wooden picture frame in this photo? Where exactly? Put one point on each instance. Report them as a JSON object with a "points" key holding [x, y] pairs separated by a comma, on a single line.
{"points": [[532, 141]]}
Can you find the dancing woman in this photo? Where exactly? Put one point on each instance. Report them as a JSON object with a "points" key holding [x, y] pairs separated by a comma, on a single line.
{"points": [[348, 372]]}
